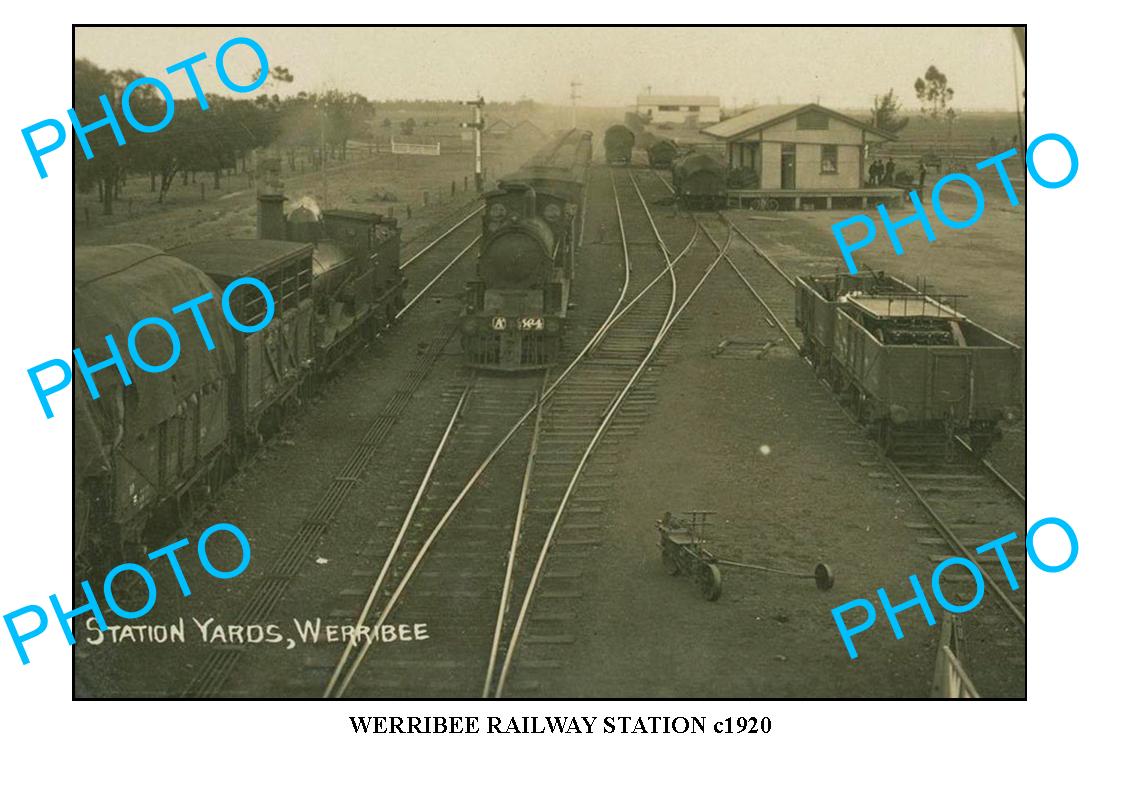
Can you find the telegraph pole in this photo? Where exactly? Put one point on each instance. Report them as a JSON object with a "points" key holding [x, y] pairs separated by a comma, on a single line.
{"points": [[477, 125], [573, 97], [323, 159]]}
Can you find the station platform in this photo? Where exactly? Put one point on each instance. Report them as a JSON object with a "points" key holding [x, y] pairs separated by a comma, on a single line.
{"points": [[799, 199]]}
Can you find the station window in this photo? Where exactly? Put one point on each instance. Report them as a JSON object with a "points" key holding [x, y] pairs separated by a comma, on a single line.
{"points": [[828, 159], [695, 108], [668, 107], [812, 120]]}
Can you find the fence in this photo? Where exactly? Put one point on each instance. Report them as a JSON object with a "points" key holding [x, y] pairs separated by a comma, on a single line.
{"points": [[399, 148], [951, 680]]}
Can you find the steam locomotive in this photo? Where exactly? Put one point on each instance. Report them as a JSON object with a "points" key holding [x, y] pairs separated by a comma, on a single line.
{"points": [[148, 454], [515, 309], [618, 144]]}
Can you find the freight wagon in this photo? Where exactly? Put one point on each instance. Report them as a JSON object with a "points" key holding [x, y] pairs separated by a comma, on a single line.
{"points": [[911, 366]]}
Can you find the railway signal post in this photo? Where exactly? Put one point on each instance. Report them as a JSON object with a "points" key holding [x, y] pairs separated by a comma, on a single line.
{"points": [[477, 125]]}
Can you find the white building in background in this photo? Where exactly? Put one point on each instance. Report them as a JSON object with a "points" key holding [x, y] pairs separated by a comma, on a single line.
{"points": [[690, 111]]}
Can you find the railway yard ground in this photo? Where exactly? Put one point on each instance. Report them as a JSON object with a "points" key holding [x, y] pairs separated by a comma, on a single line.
{"points": [[727, 418]]}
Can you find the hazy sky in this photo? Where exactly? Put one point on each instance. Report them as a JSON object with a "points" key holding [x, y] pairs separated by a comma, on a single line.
{"points": [[840, 67]]}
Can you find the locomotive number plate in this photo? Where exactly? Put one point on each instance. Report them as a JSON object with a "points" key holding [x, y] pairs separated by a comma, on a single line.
{"points": [[531, 324]]}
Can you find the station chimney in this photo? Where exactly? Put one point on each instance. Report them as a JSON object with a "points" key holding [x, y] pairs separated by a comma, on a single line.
{"points": [[271, 216]]}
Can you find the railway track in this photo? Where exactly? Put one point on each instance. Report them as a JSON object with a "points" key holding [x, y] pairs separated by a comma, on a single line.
{"points": [[437, 326], [966, 501], [540, 489]]}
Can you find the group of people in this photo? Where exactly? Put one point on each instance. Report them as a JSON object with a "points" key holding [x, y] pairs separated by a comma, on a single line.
{"points": [[882, 173]]}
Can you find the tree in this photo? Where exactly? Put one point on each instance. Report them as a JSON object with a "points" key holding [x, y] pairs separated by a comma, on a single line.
{"points": [[107, 168], [408, 125], [886, 114], [935, 97], [278, 74]]}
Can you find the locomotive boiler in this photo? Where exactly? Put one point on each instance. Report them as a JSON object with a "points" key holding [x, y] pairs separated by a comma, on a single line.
{"points": [[516, 307]]}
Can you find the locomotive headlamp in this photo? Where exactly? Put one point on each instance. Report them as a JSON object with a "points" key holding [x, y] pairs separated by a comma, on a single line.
{"points": [[552, 212], [898, 414], [497, 210]]}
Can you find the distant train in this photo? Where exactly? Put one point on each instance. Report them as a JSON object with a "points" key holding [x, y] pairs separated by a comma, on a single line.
{"points": [[912, 366], [515, 309], [149, 453], [618, 144], [661, 153], [699, 180]]}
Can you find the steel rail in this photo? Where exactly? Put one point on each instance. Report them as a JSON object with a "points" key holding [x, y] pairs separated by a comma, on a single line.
{"points": [[758, 250], [434, 280], [421, 489], [990, 468], [610, 321], [953, 541], [945, 531], [509, 576], [443, 235], [987, 466], [760, 299], [614, 315], [590, 448], [475, 476], [994, 471]]}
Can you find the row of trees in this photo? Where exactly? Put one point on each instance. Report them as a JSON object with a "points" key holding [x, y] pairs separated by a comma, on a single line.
{"points": [[206, 141]]}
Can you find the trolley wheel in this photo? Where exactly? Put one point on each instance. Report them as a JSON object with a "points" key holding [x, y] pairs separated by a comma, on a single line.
{"points": [[757, 204], [824, 578], [709, 578], [670, 563], [773, 204]]}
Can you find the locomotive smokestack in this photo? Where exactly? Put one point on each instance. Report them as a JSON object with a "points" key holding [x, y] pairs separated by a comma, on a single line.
{"points": [[271, 216]]}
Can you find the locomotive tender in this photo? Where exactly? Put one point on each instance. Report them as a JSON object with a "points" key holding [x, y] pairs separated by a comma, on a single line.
{"points": [[515, 309], [912, 366], [151, 452]]}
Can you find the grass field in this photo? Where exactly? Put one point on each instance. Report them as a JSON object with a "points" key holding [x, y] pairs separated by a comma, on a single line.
{"points": [[407, 187]]}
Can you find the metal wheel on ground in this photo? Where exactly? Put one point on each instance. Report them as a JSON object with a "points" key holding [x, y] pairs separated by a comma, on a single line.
{"points": [[709, 580]]}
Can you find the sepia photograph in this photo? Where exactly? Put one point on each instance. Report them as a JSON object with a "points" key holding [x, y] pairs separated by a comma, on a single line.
{"points": [[546, 362]]}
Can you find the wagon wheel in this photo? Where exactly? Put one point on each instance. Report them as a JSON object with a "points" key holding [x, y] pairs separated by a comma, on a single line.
{"points": [[773, 204], [824, 578], [709, 579], [670, 563], [757, 204]]}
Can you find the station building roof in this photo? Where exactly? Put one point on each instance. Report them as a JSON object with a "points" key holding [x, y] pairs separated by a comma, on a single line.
{"points": [[765, 116]]}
